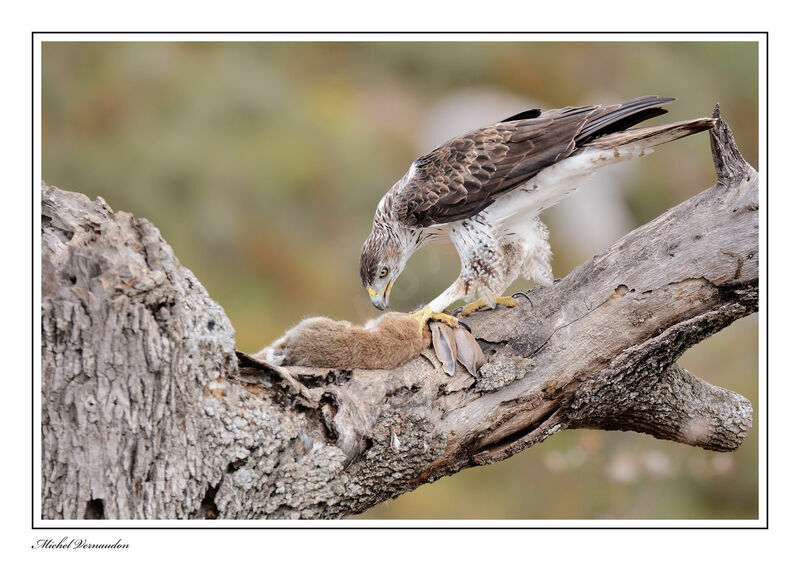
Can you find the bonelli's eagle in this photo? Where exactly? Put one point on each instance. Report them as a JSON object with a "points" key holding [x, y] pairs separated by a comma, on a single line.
{"points": [[485, 189]]}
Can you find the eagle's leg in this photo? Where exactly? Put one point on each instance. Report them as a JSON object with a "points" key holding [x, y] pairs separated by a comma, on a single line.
{"points": [[425, 314], [472, 307], [435, 309], [489, 264]]}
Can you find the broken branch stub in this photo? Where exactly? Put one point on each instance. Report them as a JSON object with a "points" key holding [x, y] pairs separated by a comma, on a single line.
{"points": [[148, 412]]}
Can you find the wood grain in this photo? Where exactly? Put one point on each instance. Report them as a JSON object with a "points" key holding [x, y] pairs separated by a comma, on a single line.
{"points": [[148, 411]]}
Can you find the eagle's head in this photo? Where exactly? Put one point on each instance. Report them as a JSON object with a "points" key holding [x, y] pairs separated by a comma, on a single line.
{"points": [[383, 258]]}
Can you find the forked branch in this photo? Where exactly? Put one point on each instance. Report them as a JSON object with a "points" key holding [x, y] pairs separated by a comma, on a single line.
{"points": [[147, 408]]}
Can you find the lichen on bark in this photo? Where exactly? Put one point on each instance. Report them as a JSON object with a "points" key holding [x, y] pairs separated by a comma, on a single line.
{"points": [[149, 412]]}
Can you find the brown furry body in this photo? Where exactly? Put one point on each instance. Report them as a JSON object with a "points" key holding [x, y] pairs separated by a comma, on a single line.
{"points": [[386, 342]]}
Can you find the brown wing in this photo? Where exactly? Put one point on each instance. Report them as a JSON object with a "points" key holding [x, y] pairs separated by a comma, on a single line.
{"points": [[467, 173]]}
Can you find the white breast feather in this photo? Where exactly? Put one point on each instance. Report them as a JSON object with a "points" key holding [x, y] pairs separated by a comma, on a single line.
{"points": [[554, 183], [515, 215]]}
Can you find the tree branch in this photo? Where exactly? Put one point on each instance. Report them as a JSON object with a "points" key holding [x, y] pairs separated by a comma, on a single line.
{"points": [[148, 412]]}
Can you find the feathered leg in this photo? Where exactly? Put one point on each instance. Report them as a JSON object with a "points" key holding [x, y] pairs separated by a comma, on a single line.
{"points": [[536, 262], [484, 266]]}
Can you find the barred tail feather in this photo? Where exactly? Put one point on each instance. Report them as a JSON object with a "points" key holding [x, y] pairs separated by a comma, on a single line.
{"points": [[648, 137]]}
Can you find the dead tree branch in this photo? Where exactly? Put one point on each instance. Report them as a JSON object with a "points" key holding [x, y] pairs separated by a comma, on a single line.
{"points": [[148, 411]]}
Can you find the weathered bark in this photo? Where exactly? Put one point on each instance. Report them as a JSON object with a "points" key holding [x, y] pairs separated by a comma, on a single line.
{"points": [[149, 412]]}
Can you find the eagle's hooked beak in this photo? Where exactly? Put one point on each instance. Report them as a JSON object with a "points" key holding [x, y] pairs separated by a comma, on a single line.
{"points": [[380, 299]]}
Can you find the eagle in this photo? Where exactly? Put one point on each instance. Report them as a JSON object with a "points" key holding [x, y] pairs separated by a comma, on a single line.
{"points": [[484, 190]]}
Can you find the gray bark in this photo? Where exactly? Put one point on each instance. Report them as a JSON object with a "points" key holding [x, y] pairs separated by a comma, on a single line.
{"points": [[149, 412]]}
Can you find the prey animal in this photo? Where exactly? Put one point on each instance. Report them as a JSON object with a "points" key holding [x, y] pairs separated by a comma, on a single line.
{"points": [[484, 191]]}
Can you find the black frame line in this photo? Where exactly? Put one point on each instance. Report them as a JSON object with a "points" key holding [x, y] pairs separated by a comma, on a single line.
{"points": [[765, 34]]}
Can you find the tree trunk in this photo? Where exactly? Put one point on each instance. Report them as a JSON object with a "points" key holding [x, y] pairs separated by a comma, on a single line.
{"points": [[149, 412]]}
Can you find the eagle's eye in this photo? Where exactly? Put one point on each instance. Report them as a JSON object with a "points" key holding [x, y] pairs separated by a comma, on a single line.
{"points": [[383, 273]]}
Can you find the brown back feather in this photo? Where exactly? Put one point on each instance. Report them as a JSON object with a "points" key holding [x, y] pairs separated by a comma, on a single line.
{"points": [[466, 174]]}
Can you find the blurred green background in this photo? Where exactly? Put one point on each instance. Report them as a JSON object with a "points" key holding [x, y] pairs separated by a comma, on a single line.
{"points": [[262, 164]]}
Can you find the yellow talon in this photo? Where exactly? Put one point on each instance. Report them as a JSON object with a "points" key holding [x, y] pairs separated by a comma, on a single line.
{"points": [[507, 301], [424, 315], [472, 307]]}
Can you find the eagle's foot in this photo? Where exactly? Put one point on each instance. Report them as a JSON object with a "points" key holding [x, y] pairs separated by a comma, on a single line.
{"points": [[424, 315], [507, 301], [472, 307]]}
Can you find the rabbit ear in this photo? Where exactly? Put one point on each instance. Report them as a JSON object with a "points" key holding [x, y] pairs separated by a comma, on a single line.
{"points": [[445, 346], [469, 353]]}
